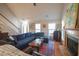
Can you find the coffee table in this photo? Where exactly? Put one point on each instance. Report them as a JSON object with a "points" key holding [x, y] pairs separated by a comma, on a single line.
{"points": [[36, 44]]}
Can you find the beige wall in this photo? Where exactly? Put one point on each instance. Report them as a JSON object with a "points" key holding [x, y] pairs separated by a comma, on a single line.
{"points": [[43, 22], [8, 21], [44, 29], [32, 26]]}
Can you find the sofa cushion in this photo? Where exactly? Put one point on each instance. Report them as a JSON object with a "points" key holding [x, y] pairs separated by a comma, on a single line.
{"points": [[24, 42], [20, 37], [39, 34], [28, 34]]}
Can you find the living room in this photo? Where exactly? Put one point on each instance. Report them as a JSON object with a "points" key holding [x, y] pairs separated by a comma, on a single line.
{"points": [[38, 29]]}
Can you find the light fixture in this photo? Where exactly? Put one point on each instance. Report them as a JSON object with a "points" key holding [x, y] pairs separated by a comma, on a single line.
{"points": [[34, 4]]}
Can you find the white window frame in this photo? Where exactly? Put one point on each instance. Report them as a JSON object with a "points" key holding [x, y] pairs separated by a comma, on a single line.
{"points": [[52, 28], [38, 27], [25, 26]]}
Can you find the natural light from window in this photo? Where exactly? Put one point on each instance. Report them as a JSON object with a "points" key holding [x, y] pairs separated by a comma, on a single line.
{"points": [[37, 27], [51, 28], [25, 26]]}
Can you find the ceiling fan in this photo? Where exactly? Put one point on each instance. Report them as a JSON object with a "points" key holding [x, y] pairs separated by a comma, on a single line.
{"points": [[34, 4]]}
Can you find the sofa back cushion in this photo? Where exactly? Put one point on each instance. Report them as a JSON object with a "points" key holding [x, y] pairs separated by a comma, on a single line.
{"points": [[39, 34], [20, 37], [28, 34]]}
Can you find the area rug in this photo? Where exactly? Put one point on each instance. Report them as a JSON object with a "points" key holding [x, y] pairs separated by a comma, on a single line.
{"points": [[47, 49]]}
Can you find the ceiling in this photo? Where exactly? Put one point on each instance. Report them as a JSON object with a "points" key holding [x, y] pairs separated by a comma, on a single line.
{"points": [[42, 11]]}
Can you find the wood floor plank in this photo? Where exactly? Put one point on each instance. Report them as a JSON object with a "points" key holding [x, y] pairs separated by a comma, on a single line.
{"points": [[57, 49], [61, 50]]}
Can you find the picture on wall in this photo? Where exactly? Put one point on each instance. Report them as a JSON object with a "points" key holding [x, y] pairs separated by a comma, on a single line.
{"points": [[70, 16]]}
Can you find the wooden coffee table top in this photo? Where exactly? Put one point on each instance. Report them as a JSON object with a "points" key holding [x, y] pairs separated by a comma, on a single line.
{"points": [[36, 42]]}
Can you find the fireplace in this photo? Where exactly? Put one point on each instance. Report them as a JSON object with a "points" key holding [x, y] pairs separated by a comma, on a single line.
{"points": [[72, 45]]}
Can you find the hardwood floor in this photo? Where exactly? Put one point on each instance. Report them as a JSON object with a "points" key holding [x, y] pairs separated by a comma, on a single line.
{"points": [[54, 48], [60, 50], [57, 49]]}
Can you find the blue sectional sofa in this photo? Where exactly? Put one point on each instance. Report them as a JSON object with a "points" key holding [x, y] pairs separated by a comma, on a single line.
{"points": [[22, 40]]}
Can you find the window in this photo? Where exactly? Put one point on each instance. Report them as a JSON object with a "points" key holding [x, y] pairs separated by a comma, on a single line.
{"points": [[51, 28], [25, 26], [37, 27]]}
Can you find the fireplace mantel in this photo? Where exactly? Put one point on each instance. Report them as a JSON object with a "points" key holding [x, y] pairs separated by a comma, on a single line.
{"points": [[75, 34]]}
